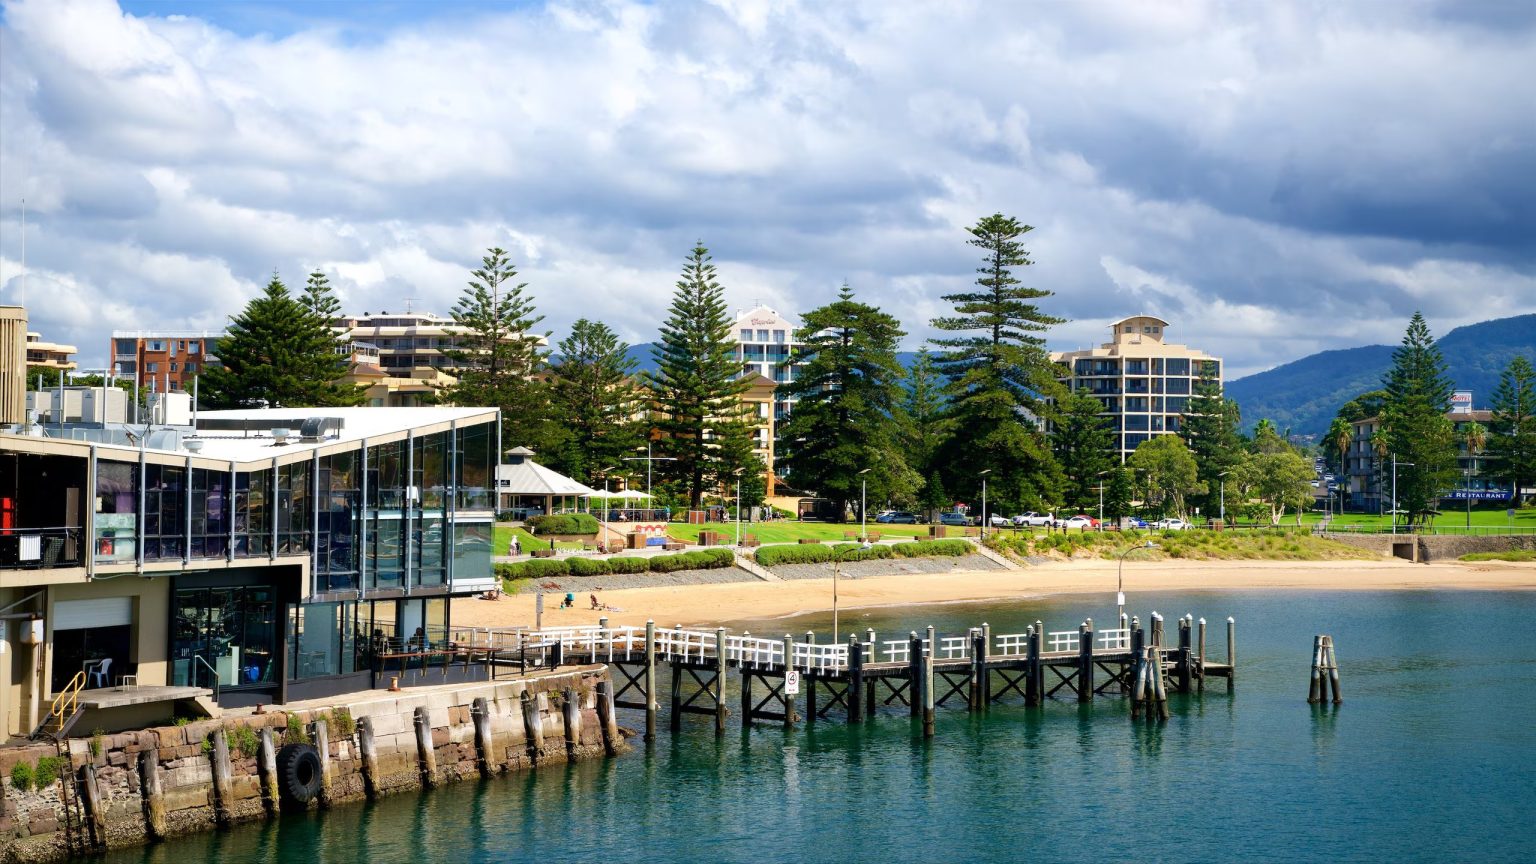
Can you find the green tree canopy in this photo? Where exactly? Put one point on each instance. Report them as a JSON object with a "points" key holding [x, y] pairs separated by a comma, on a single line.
{"points": [[848, 391], [595, 396], [1000, 377], [1209, 427], [1171, 473], [1417, 431], [1119, 493], [278, 352], [1083, 442], [1512, 432], [923, 414], [697, 385]]}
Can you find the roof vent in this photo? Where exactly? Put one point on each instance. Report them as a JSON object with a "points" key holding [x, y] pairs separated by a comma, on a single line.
{"points": [[193, 445], [317, 428], [280, 436]]}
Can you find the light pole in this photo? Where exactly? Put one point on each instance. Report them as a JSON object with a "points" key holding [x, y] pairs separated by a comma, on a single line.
{"points": [[737, 472], [984, 516], [837, 566], [1120, 577], [648, 459], [1101, 497], [1223, 476], [863, 506], [1467, 485], [1395, 463]]}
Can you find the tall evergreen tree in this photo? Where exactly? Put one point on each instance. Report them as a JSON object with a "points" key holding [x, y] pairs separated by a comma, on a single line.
{"points": [[1000, 376], [925, 423], [1118, 494], [277, 353], [498, 360], [1171, 475], [1209, 428], [1418, 395], [1512, 438], [848, 389], [697, 386], [1083, 442], [596, 398]]}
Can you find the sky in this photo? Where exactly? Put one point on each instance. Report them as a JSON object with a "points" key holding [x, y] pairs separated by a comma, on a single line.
{"points": [[1272, 178]]}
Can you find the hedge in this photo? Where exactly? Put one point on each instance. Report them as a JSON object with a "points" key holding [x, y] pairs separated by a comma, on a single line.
{"points": [[564, 523], [543, 568], [770, 556], [928, 548]]}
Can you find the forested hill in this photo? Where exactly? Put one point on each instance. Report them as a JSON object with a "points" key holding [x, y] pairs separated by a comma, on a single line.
{"points": [[1303, 395]]}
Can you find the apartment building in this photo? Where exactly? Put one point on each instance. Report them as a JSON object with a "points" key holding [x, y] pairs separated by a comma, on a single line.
{"points": [[413, 340], [765, 341], [1368, 464], [42, 354], [262, 556], [166, 359], [13, 364], [1144, 381]]}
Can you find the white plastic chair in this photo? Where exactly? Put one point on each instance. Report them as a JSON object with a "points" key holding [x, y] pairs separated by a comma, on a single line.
{"points": [[98, 676]]}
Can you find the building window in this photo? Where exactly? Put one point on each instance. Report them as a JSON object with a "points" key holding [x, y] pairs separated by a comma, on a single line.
{"points": [[746, 335], [151, 367], [116, 511], [210, 513], [189, 367], [762, 335], [173, 367], [233, 629], [1178, 366], [778, 336], [1129, 328], [164, 511], [154, 345], [192, 348]]}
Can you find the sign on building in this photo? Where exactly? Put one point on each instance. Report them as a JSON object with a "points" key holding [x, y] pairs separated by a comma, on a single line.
{"points": [[1461, 402]]}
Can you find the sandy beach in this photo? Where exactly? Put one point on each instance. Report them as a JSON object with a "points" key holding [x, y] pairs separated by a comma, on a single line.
{"points": [[694, 605]]}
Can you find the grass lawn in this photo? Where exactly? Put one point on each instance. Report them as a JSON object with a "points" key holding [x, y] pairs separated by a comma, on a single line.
{"points": [[791, 532], [1449, 517], [1512, 555], [503, 541]]}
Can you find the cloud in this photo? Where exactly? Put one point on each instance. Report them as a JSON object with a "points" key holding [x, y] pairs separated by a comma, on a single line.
{"points": [[1274, 178]]}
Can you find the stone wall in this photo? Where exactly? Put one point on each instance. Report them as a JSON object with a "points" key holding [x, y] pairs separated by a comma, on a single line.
{"points": [[1424, 548], [166, 781]]}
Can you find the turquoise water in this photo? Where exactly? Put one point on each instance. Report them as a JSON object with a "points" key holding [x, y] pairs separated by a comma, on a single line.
{"points": [[1432, 757]]}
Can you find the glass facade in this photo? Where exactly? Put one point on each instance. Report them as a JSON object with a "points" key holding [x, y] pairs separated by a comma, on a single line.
{"points": [[253, 514], [477, 467], [165, 503], [293, 513], [210, 513], [117, 518], [337, 564], [228, 633]]}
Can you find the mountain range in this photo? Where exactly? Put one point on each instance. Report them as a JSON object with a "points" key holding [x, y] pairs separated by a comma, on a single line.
{"points": [[1304, 395]]}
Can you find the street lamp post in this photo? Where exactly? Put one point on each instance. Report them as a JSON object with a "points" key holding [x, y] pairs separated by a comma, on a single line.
{"points": [[648, 459], [738, 505], [1120, 577], [1395, 463], [984, 516], [1101, 497], [864, 506], [1223, 476]]}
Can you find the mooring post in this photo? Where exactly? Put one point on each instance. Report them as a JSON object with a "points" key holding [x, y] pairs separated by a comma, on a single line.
{"points": [[320, 731], [789, 666], [607, 718], [810, 677], [1138, 668], [928, 685], [855, 679], [746, 696], [870, 682], [1039, 662], [1031, 659], [675, 720], [1085, 661], [218, 759], [915, 675], [266, 767], [370, 753], [1314, 687], [426, 757], [720, 710], [976, 697], [1200, 681], [1231, 653], [650, 680], [1333, 671], [533, 727], [1160, 684], [480, 713], [1186, 652], [154, 796], [570, 704], [94, 811]]}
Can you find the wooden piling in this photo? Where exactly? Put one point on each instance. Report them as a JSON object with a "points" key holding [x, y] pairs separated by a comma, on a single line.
{"points": [[869, 683], [570, 705], [1200, 681], [95, 812], [426, 757], [720, 710], [650, 680], [1186, 653], [986, 656], [855, 679], [675, 721], [370, 753], [154, 794], [786, 697], [810, 682], [1314, 688], [607, 718], [1034, 682], [266, 768], [975, 700], [1085, 661], [1231, 654], [746, 697], [320, 733], [1138, 668], [928, 686], [914, 675], [480, 713], [1159, 685], [533, 727], [223, 793], [1333, 670]]}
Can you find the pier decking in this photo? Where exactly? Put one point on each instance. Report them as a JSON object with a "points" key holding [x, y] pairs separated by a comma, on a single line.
{"points": [[920, 672]]}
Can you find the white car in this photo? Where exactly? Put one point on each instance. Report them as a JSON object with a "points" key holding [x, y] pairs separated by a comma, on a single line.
{"points": [[1171, 525], [1077, 522], [1033, 519], [997, 520]]}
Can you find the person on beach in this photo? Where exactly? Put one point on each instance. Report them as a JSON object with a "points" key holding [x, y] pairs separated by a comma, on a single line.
{"points": [[595, 604]]}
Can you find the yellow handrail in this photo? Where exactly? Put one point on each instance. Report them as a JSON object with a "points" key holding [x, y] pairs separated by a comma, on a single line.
{"points": [[69, 696]]}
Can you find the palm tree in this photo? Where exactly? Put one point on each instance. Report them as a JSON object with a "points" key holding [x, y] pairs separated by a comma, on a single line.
{"points": [[1475, 436], [1379, 446]]}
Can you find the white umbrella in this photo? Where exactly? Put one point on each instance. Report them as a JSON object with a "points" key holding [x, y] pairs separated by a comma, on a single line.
{"points": [[630, 495]]}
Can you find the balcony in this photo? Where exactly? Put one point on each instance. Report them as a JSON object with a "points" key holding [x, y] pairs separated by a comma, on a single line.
{"points": [[40, 548]]}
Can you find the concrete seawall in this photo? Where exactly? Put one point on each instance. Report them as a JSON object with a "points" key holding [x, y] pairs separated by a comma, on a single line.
{"points": [[1424, 548], [138, 786]]}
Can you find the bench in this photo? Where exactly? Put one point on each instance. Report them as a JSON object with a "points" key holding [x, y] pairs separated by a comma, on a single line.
{"points": [[674, 547], [807, 540], [542, 553]]}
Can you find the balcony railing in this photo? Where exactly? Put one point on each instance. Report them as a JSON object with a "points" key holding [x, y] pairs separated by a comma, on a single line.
{"points": [[40, 548]]}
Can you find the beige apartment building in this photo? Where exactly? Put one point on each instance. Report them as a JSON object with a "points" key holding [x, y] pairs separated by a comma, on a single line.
{"points": [[1144, 381], [42, 354]]}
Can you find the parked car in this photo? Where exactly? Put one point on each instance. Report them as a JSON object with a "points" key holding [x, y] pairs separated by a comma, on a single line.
{"points": [[1033, 519], [1081, 520], [1172, 524], [998, 520], [953, 518], [1136, 522], [897, 517]]}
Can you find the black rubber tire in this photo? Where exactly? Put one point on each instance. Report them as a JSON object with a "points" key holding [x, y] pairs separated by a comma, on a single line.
{"points": [[298, 773]]}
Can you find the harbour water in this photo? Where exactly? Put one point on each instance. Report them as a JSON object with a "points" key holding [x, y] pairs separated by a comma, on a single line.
{"points": [[1432, 757]]}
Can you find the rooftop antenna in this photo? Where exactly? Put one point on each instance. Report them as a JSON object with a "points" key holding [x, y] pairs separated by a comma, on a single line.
{"points": [[22, 300], [408, 302]]}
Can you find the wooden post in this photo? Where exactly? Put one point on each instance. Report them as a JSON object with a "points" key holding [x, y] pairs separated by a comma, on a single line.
{"points": [[95, 812], [1085, 661], [606, 718], [1333, 670], [1160, 686], [975, 698], [570, 705], [720, 710], [223, 795], [650, 680], [1031, 660], [370, 754], [1200, 682], [786, 697], [321, 733], [480, 713], [986, 656], [1138, 667], [1186, 653], [533, 727], [266, 767], [928, 685], [154, 796], [746, 697], [855, 679], [914, 675], [1231, 654], [426, 757], [1314, 688], [810, 682]]}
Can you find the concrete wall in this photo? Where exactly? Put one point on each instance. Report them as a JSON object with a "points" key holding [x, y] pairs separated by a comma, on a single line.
{"points": [[1424, 548], [198, 793], [151, 621]]}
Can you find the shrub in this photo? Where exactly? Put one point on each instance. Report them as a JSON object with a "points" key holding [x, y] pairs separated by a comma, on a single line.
{"points": [[339, 723], [702, 559], [243, 740], [21, 776], [631, 564], [50, 769], [98, 739], [930, 548], [564, 523], [588, 566], [669, 563], [295, 733]]}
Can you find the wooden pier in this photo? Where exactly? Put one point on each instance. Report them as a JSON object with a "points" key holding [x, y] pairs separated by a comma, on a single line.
{"points": [[857, 678]]}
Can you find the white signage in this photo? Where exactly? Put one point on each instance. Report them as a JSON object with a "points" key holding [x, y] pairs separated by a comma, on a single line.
{"points": [[1461, 402], [792, 683]]}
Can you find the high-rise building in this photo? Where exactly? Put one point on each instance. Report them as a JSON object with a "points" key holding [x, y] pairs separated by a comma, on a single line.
{"points": [[764, 341], [13, 364], [1144, 382], [49, 355], [166, 359]]}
